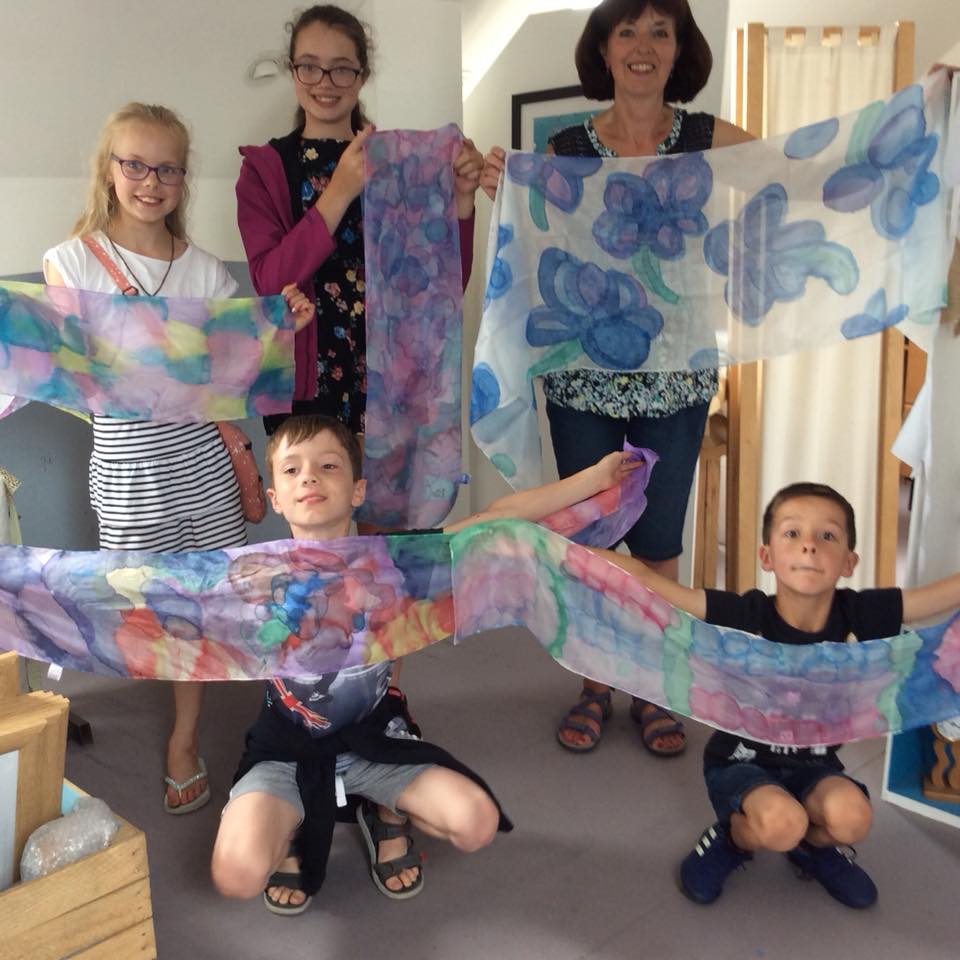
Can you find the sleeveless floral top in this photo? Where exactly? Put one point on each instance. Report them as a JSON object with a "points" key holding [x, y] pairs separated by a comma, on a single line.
{"points": [[626, 395]]}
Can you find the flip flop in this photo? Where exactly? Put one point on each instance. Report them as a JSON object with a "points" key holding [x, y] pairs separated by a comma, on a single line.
{"points": [[645, 715], [201, 800]]}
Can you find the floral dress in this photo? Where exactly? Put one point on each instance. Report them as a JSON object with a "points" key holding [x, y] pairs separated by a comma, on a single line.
{"points": [[339, 285], [627, 395]]}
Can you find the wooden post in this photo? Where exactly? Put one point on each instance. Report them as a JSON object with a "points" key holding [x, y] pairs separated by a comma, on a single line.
{"points": [[891, 379], [745, 380]]}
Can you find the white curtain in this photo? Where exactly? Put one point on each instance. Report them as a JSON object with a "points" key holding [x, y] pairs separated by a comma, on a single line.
{"points": [[820, 410]]}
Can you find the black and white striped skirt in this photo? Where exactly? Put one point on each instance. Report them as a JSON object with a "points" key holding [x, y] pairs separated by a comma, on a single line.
{"points": [[164, 487]]}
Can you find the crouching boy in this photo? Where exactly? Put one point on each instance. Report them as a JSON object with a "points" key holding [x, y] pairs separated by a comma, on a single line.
{"points": [[794, 801], [339, 734]]}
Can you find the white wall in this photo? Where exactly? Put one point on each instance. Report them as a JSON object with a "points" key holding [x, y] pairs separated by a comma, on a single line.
{"points": [[66, 65], [64, 69]]}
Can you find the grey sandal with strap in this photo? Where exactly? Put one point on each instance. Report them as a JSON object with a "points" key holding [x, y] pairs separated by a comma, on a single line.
{"points": [[290, 880], [374, 831], [588, 698]]}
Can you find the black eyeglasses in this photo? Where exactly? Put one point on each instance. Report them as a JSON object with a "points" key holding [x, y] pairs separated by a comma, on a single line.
{"points": [[310, 73], [138, 170]]}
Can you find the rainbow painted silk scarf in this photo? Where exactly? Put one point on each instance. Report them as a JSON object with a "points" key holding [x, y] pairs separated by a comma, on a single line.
{"points": [[692, 261], [278, 609], [144, 358]]}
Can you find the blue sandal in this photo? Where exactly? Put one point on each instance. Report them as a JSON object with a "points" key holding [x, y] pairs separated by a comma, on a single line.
{"points": [[604, 704]]}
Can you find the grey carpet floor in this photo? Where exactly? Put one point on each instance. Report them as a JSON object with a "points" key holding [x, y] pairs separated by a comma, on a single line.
{"points": [[589, 871]]}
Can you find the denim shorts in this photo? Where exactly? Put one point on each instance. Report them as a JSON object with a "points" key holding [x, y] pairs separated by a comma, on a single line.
{"points": [[728, 785], [581, 439], [382, 783]]}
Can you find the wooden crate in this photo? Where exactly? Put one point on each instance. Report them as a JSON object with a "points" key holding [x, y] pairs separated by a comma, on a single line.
{"points": [[96, 909]]}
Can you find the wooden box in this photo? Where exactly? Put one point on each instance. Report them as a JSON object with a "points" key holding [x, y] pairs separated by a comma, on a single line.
{"points": [[96, 909]]}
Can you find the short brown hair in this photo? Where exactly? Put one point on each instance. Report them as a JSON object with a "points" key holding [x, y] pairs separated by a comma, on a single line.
{"points": [[694, 59], [796, 490], [302, 427]]}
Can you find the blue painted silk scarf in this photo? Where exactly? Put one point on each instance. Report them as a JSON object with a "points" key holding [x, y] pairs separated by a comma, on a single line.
{"points": [[832, 232]]}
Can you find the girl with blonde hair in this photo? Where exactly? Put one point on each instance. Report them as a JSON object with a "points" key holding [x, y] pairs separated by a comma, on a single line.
{"points": [[154, 486]]}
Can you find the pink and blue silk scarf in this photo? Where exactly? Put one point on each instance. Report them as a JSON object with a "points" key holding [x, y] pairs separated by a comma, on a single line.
{"points": [[301, 609], [144, 358], [414, 294]]}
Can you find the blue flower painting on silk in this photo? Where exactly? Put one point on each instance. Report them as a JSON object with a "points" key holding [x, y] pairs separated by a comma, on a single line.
{"points": [[607, 311], [690, 261]]}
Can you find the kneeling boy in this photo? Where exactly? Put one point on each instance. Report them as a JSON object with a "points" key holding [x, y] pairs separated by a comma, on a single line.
{"points": [[791, 800], [338, 734]]}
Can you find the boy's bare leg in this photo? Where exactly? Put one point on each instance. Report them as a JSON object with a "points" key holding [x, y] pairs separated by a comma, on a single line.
{"points": [[451, 807], [253, 841], [839, 812], [183, 747], [771, 820]]}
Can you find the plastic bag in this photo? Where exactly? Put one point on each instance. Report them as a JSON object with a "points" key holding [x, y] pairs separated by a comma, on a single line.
{"points": [[87, 828]]}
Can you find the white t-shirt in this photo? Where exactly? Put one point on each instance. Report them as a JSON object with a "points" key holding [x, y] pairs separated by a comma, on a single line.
{"points": [[195, 273]]}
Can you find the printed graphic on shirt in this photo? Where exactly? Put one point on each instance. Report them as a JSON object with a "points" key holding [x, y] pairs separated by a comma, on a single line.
{"points": [[325, 704]]}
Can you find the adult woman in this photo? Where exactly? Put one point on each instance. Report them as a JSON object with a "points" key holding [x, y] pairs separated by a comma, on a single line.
{"points": [[642, 54]]}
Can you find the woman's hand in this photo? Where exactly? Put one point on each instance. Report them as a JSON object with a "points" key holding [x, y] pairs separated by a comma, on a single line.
{"points": [[494, 164], [466, 177], [300, 305]]}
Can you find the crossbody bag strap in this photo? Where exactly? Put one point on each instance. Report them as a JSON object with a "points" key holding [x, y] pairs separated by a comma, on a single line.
{"points": [[116, 274]]}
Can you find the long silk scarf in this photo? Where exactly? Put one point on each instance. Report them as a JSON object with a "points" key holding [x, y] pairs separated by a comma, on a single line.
{"points": [[701, 259], [414, 294], [301, 609], [278, 609], [144, 358]]}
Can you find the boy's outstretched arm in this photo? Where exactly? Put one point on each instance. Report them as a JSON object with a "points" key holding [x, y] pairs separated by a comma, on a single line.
{"points": [[540, 502], [684, 598], [931, 600]]}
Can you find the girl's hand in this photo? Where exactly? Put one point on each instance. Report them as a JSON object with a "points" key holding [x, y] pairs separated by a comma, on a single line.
{"points": [[300, 305], [350, 173], [466, 177], [346, 183], [614, 468], [494, 164]]}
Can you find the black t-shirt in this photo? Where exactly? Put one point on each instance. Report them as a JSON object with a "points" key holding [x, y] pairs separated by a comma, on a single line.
{"points": [[855, 615]]}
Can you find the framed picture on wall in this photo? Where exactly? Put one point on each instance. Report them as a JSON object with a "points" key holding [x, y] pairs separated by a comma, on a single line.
{"points": [[535, 116]]}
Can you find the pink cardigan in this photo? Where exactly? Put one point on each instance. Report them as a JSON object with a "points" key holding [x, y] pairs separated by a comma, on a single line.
{"points": [[280, 251]]}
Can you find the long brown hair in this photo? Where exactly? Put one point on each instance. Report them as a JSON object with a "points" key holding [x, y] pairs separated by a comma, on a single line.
{"points": [[102, 205], [353, 29]]}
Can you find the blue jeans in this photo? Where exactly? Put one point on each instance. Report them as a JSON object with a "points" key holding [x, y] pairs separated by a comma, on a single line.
{"points": [[581, 439]]}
